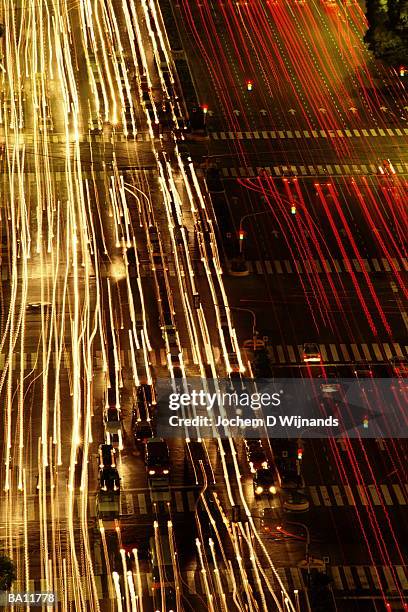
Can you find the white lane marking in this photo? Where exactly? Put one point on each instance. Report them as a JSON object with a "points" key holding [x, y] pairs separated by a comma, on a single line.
{"points": [[191, 502], [129, 504], [179, 501], [141, 500]]}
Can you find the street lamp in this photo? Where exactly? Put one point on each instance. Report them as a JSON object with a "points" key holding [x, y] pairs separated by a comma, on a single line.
{"points": [[253, 314]]}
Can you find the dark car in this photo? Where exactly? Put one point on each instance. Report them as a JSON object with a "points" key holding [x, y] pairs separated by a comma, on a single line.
{"points": [[109, 480], [157, 457], [145, 395], [142, 431], [107, 456], [264, 482], [257, 459]]}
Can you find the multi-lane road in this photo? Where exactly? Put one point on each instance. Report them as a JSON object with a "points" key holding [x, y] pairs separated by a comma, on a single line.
{"points": [[113, 275]]}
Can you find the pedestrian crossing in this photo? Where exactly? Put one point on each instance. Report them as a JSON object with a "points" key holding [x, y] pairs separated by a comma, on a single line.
{"points": [[323, 170], [181, 501], [157, 357], [388, 579], [334, 266], [310, 134], [342, 496], [357, 579], [144, 136], [374, 352], [33, 361]]}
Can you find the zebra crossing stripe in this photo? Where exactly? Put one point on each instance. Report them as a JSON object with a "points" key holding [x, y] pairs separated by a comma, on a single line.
{"points": [[356, 352], [366, 352], [363, 497], [337, 495], [349, 578], [399, 495], [314, 495], [402, 577], [179, 501], [349, 495], [334, 352], [389, 579], [362, 578], [325, 496], [374, 495], [377, 352], [296, 578], [141, 500], [386, 495], [335, 573], [375, 577], [191, 501]]}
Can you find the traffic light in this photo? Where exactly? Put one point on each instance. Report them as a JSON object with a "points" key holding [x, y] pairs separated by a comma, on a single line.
{"points": [[293, 209], [249, 85], [300, 454], [241, 234], [205, 108], [402, 71]]}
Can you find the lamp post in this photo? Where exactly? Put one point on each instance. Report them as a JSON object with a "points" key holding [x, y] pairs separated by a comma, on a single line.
{"points": [[253, 314]]}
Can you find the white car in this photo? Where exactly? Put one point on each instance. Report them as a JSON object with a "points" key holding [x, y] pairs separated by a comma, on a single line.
{"points": [[311, 353]]}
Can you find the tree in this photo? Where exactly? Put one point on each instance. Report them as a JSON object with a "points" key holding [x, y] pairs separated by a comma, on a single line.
{"points": [[7, 573], [387, 35]]}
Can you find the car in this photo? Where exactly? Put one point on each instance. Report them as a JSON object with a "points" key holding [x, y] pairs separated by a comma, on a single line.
{"points": [[296, 501], [107, 456], [386, 167], [157, 457], [257, 459], [362, 369], [145, 395], [109, 480], [113, 427], [264, 482], [164, 592], [144, 83], [36, 306], [329, 381], [184, 152], [399, 366], [131, 256], [311, 353], [252, 444], [142, 431]]}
